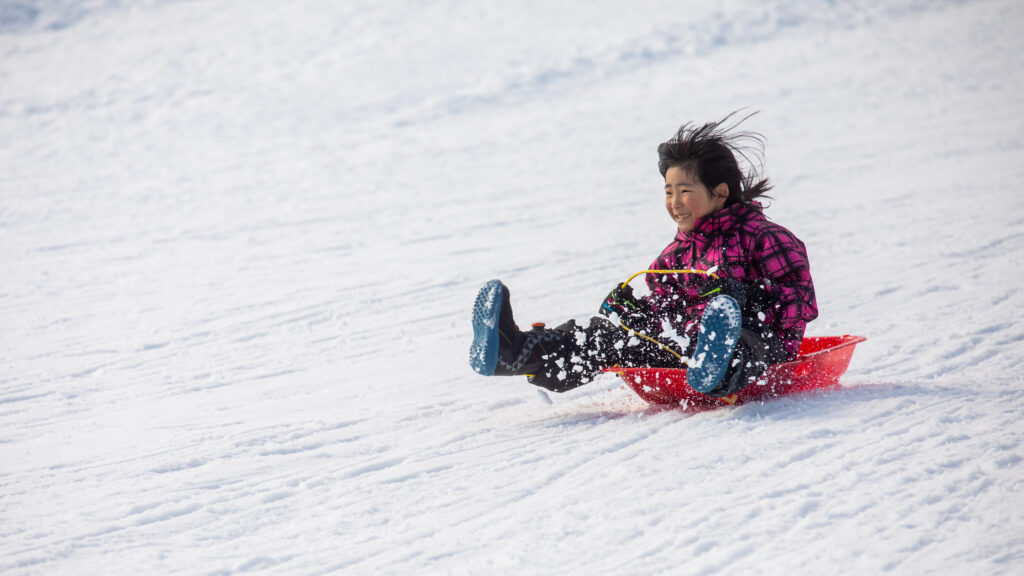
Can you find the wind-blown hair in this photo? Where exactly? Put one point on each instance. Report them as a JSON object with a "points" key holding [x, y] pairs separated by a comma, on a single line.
{"points": [[710, 153]]}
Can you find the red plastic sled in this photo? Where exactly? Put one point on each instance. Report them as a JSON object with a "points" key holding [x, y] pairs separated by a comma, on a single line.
{"points": [[822, 360]]}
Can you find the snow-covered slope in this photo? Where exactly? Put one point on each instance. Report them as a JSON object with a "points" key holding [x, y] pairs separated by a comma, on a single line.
{"points": [[239, 242]]}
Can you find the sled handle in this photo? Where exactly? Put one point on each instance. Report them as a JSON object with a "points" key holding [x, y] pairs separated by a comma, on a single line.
{"points": [[644, 336], [687, 271]]}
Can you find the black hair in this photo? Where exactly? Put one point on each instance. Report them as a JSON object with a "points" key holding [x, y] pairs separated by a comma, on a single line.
{"points": [[710, 153]]}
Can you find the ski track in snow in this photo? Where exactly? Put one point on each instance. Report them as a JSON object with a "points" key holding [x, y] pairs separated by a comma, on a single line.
{"points": [[240, 244]]}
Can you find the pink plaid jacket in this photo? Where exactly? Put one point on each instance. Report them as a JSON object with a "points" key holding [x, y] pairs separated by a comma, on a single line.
{"points": [[737, 242]]}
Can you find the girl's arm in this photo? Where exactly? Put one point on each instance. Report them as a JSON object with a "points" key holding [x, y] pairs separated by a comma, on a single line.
{"points": [[782, 260]]}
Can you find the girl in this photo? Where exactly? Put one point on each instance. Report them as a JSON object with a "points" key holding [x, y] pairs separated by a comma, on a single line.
{"points": [[731, 294]]}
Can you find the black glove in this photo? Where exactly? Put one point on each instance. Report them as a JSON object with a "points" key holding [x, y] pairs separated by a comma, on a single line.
{"points": [[635, 313], [752, 298], [715, 286]]}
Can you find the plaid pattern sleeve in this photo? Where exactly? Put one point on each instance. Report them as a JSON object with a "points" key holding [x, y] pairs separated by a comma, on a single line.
{"points": [[782, 260]]}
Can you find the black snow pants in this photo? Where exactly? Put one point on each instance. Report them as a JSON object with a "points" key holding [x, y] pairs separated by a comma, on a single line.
{"points": [[586, 350]]}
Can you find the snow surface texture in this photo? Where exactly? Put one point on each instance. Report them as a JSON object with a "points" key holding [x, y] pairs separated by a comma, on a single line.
{"points": [[240, 242]]}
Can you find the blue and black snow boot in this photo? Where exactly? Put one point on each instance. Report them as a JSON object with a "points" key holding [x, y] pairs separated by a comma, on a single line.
{"points": [[499, 348], [719, 333]]}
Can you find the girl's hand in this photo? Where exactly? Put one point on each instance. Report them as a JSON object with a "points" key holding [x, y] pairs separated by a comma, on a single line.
{"points": [[752, 298], [715, 286], [631, 311]]}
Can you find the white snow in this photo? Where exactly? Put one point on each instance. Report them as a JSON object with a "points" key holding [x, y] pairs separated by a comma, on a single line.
{"points": [[240, 243]]}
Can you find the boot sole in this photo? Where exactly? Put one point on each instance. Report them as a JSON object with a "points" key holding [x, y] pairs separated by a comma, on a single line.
{"points": [[719, 333], [483, 353]]}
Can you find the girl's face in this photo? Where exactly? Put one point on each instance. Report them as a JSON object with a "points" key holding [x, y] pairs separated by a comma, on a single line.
{"points": [[686, 199]]}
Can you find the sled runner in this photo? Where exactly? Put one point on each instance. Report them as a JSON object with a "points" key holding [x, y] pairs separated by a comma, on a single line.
{"points": [[822, 360]]}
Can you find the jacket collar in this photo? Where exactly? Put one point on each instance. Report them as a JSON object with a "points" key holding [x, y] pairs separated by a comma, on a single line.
{"points": [[725, 219]]}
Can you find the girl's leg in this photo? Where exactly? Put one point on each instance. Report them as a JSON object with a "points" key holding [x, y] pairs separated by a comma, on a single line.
{"points": [[571, 355], [558, 359], [598, 345], [755, 351]]}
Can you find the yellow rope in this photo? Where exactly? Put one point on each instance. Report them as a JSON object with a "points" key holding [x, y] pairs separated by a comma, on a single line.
{"points": [[646, 337], [688, 271]]}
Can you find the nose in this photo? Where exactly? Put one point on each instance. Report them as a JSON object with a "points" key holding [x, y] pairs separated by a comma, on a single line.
{"points": [[677, 200]]}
